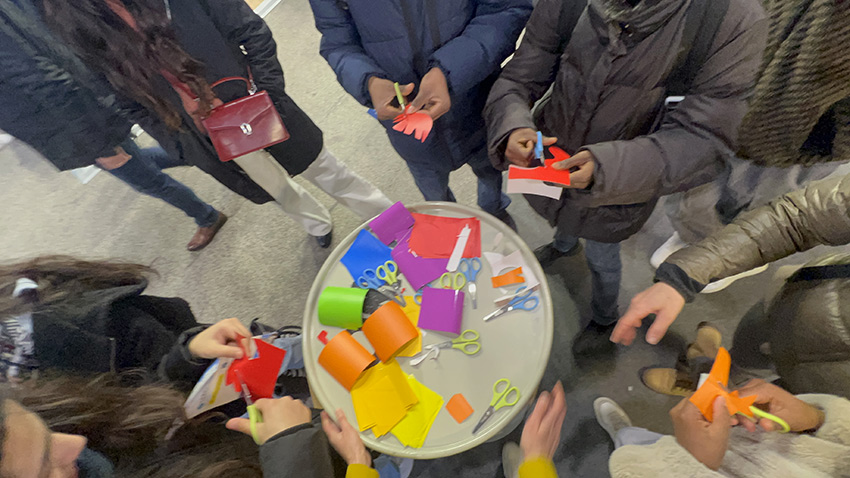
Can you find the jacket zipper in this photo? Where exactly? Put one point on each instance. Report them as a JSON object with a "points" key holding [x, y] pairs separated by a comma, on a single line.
{"points": [[112, 353]]}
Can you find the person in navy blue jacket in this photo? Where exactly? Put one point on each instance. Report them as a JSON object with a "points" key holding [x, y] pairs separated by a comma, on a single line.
{"points": [[446, 54]]}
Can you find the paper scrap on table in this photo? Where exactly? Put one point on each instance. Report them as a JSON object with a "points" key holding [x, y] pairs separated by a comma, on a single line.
{"points": [[716, 386], [442, 310], [511, 277], [392, 224], [366, 252], [414, 427], [418, 124], [259, 373], [211, 391], [411, 310], [382, 396], [418, 271], [460, 246], [499, 263], [436, 236], [459, 408]]}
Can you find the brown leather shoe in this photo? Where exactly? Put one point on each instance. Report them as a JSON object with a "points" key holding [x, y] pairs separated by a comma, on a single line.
{"points": [[204, 235]]}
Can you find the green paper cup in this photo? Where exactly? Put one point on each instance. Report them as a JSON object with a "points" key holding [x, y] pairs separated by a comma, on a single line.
{"points": [[342, 307]]}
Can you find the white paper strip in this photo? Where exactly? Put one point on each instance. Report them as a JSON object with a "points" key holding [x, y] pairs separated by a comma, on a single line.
{"points": [[532, 186], [460, 246]]}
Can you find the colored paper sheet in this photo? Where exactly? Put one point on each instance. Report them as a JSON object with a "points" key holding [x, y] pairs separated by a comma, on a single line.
{"points": [[412, 312], [546, 172], [392, 224], [511, 277], [382, 397], [414, 427], [457, 251], [499, 263], [716, 386], [345, 359], [389, 331], [442, 310], [418, 124], [366, 252], [419, 271], [537, 188], [435, 236], [342, 307], [259, 373], [211, 391], [459, 408]]}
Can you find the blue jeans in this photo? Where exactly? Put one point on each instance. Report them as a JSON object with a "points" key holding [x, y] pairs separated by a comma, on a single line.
{"points": [[144, 173], [606, 270]]}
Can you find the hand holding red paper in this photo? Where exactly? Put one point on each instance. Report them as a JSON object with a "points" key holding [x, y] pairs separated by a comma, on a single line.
{"points": [[586, 164], [258, 373], [705, 440], [433, 97], [662, 300], [383, 95], [519, 149], [278, 415], [345, 439], [220, 340]]}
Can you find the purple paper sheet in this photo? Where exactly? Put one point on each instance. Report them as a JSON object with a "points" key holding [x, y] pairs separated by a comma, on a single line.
{"points": [[442, 310], [417, 270], [392, 224]]}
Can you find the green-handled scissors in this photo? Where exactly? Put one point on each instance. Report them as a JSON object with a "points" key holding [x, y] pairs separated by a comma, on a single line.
{"points": [[759, 413], [500, 400], [467, 343], [389, 274], [454, 280], [254, 415]]}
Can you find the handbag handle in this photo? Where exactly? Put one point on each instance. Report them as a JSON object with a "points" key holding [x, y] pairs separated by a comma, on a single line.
{"points": [[248, 84]]}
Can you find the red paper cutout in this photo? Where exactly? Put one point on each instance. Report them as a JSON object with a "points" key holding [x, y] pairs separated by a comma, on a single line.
{"points": [[323, 337], [259, 374], [715, 386], [434, 237], [546, 172], [418, 124]]}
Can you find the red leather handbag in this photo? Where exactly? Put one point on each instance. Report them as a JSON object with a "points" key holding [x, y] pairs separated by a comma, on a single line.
{"points": [[244, 125]]}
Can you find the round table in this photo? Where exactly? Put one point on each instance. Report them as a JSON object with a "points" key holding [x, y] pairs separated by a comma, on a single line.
{"points": [[515, 346]]}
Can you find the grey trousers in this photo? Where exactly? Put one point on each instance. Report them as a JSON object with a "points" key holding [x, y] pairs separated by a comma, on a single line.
{"points": [[635, 436]]}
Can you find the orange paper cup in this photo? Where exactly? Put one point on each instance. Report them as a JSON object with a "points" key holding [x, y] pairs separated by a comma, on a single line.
{"points": [[345, 359], [389, 330]]}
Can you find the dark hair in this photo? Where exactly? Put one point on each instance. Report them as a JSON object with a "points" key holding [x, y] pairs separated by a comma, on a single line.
{"points": [[132, 60]]}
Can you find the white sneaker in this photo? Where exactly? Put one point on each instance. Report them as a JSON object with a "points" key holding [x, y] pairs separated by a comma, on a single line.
{"points": [[721, 284], [610, 416], [511, 459], [667, 249]]}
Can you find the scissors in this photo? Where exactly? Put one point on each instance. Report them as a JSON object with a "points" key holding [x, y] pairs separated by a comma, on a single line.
{"points": [[417, 297], [389, 274], [453, 280], [254, 415], [518, 302], [370, 280], [538, 147], [500, 400], [470, 269], [467, 343]]}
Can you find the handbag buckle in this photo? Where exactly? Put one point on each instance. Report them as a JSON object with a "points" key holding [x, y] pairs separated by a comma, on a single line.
{"points": [[246, 128]]}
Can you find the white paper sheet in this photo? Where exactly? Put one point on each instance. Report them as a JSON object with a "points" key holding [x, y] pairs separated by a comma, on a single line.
{"points": [[532, 186]]}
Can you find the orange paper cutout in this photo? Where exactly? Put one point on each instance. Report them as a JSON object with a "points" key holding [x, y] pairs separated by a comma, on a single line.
{"points": [[716, 386], [418, 124], [509, 278], [459, 408], [389, 330], [546, 172], [345, 359]]}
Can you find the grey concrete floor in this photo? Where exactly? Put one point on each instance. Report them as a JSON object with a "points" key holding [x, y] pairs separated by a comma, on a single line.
{"points": [[262, 264]]}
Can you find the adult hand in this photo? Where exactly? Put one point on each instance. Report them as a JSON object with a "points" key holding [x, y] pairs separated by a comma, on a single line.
{"points": [[583, 176], [345, 439], [278, 414], [520, 147], [660, 299], [541, 434], [433, 97], [799, 415], [115, 161], [220, 340], [706, 441], [383, 94]]}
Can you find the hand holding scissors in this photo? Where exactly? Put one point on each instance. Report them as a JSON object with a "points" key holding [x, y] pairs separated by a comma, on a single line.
{"points": [[500, 400], [467, 343], [254, 415], [453, 280], [470, 269], [525, 301]]}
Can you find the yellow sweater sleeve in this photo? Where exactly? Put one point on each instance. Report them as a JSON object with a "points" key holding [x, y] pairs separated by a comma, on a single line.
{"points": [[360, 471], [538, 468]]}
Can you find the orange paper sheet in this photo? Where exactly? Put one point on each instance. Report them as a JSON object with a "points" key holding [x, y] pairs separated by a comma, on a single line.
{"points": [[382, 398], [411, 310], [459, 408], [389, 331], [345, 359], [414, 427], [509, 278], [716, 386]]}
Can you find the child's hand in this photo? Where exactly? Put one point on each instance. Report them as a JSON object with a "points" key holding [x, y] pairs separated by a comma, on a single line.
{"points": [[799, 415], [662, 300], [278, 414], [220, 340], [345, 439], [541, 434], [583, 176], [433, 97], [706, 441], [383, 94], [520, 147]]}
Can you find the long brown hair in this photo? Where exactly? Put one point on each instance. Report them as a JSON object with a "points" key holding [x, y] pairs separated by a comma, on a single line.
{"points": [[128, 418], [132, 60], [59, 277]]}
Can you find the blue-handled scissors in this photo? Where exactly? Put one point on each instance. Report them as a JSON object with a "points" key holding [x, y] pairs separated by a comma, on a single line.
{"points": [[500, 400], [520, 301], [467, 343], [453, 280], [370, 280], [470, 269], [538, 148]]}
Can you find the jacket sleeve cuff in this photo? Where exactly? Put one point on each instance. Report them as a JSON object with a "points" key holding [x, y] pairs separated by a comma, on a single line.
{"points": [[289, 431], [676, 278], [540, 467]]}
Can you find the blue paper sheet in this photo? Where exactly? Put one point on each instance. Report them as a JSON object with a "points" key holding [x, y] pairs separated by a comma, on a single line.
{"points": [[366, 252]]}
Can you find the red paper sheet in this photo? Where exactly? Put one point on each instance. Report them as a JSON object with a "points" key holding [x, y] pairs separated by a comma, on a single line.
{"points": [[546, 172], [259, 374], [434, 237], [418, 124]]}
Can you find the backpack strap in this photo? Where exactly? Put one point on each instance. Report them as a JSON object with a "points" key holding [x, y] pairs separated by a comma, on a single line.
{"points": [[702, 22]]}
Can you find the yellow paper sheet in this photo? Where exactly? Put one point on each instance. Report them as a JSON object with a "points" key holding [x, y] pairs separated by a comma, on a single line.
{"points": [[382, 397], [411, 310], [414, 427]]}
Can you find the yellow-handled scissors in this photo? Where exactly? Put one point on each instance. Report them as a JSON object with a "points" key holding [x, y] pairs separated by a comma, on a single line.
{"points": [[467, 343], [500, 400], [389, 274], [254, 415], [759, 413], [454, 280]]}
